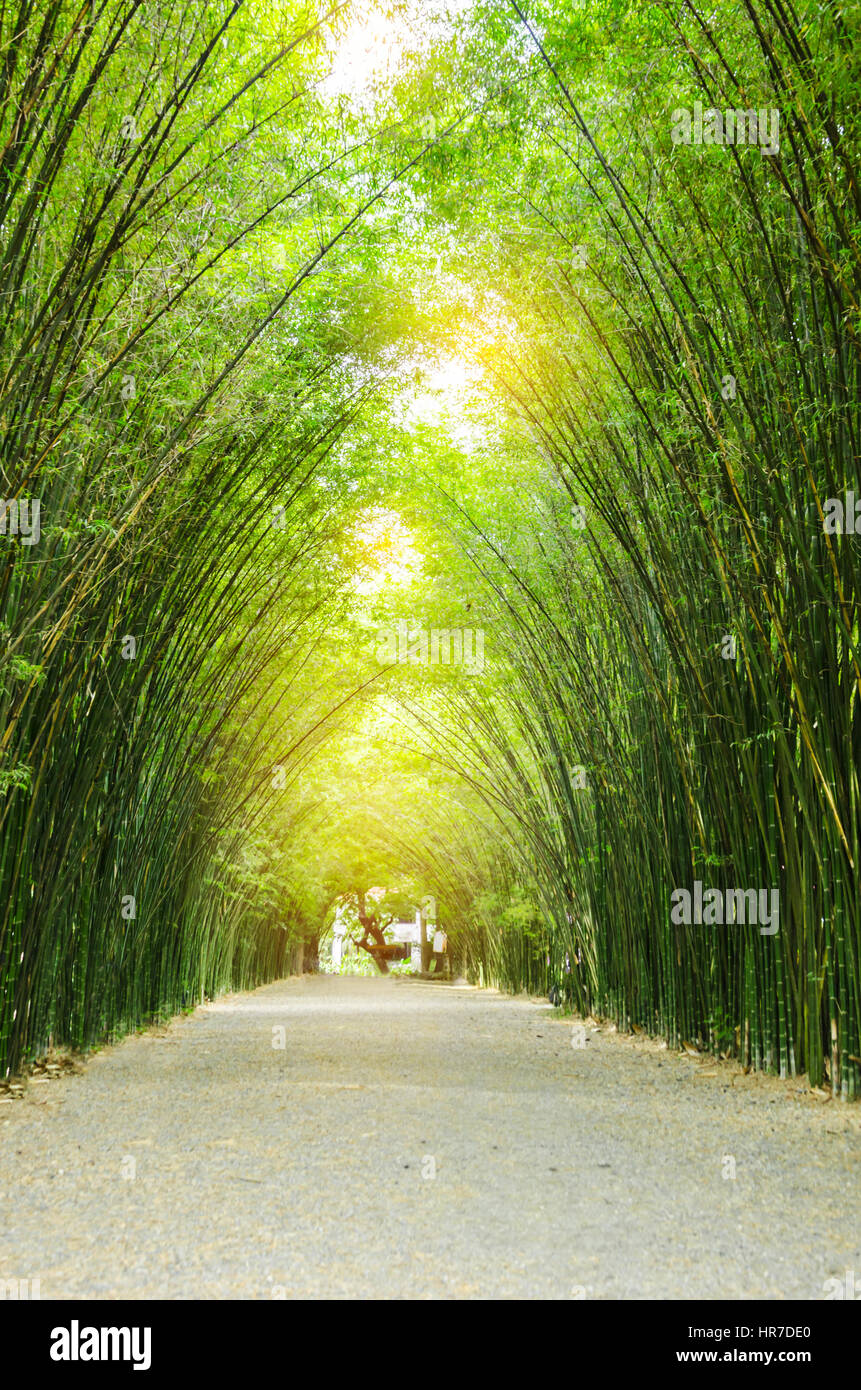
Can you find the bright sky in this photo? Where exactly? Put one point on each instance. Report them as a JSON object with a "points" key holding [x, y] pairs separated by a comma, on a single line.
{"points": [[446, 389], [444, 399], [368, 53], [372, 48]]}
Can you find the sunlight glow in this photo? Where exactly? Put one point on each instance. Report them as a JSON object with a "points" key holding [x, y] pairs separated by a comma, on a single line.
{"points": [[390, 555], [368, 55], [444, 393]]}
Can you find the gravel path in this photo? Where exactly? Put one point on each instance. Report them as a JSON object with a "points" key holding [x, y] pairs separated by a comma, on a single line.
{"points": [[415, 1140]]}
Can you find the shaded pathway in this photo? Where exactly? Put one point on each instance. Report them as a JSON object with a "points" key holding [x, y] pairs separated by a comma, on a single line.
{"points": [[204, 1162]]}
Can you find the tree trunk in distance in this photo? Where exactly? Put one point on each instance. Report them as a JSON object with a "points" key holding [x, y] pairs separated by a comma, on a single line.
{"points": [[426, 945]]}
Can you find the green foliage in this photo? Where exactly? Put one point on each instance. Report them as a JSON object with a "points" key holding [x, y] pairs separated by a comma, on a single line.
{"points": [[292, 357]]}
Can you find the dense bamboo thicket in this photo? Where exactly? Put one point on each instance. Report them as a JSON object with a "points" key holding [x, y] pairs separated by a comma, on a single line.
{"points": [[686, 625], [178, 555], [623, 241]]}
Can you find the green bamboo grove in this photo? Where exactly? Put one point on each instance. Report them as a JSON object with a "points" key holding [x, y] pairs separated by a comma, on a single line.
{"points": [[690, 640], [228, 279]]}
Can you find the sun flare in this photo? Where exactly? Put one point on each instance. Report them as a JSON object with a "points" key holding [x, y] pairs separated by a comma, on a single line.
{"points": [[365, 57], [390, 556]]}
